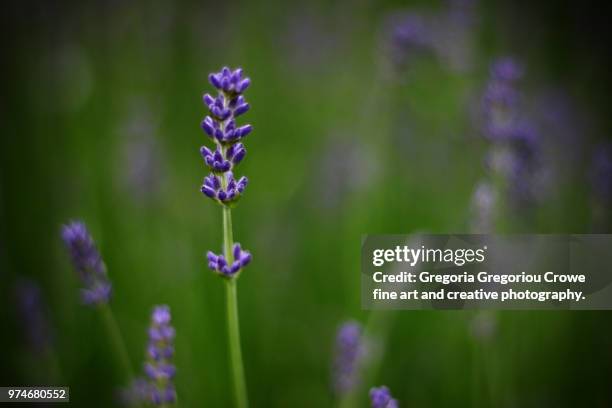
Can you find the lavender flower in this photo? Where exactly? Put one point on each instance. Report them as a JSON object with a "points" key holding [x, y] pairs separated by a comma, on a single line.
{"points": [[507, 69], [33, 315], [409, 36], [220, 185], [221, 126], [501, 99], [515, 153], [348, 353], [88, 263], [219, 264], [159, 368], [381, 398], [601, 173]]}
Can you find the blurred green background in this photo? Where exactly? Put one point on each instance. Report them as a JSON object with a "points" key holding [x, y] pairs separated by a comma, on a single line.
{"points": [[101, 105]]}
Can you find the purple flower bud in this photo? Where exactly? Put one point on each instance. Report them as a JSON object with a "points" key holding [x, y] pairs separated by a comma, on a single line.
{"points": [[245, 259], [243, 131], [221, 261], [205, 151], [88, 263], [381, 398], [214, 80], [208, 192], [208, 100], [208, 126], [243, 85], [211, 257], [236, 251], [161, 315], [241, 109], [506, 69], [239, 156], [219, 134]]}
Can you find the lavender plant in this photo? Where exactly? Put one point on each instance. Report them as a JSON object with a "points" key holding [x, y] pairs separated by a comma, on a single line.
{"points": [[223, 188], [88, 264], [348, 353], [601, 184], [409, 37], [514, 158], [381, 398], [159, 367], [97, 288], [33, 315]]}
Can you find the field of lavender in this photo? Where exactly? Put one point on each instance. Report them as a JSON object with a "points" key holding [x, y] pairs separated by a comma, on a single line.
{"points": [[146, 259]]}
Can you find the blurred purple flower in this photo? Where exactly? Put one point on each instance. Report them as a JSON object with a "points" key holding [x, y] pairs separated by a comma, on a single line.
{"points": [[88, 263], [349, 351], [501, 99], [452, 32], [408, 35], [506, 69], [601, 173], [516, 152], [381, 398], [33, 316], [159, 367]]}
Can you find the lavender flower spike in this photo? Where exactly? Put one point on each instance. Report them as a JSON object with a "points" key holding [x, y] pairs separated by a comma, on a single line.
{"points": [[220, 125], [222, 187], [33, 315], [348, 353], [381, 398], [159, 368], [88, 263]]}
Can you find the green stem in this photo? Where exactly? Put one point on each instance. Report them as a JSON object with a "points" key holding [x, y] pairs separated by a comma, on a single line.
{"points": [[117, 339], [233, 327]]}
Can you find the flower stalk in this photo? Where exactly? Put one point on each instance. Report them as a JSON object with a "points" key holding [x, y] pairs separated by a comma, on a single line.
{"points": [[116, 339], [97, 288], [221, 187]]}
